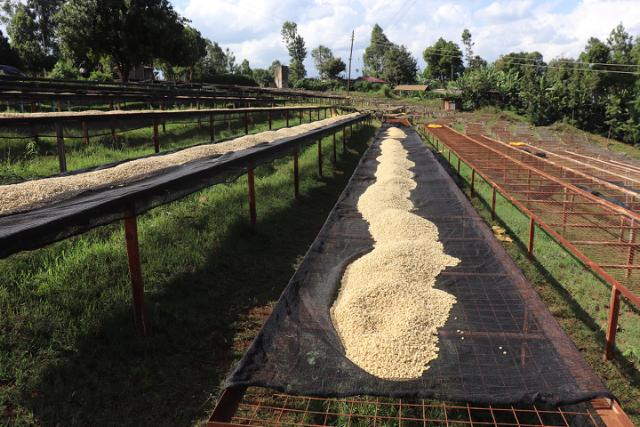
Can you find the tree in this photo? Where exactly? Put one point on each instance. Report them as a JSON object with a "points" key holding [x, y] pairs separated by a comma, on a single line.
{"points": [[263, 77], [374, 54], [297, 50], [130, 32], [524, 63], [327, 65], [468, 47], [7, 53], [444, 60], [245, 69], [231, 67], [194, 48], [399, 65], [214, 61], [31, 28]]}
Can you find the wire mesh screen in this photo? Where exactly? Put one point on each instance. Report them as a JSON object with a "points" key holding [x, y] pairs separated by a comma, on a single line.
{"points": [[499, 345], [263, 407]]}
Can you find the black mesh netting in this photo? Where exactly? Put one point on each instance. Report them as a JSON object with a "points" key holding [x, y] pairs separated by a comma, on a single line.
{"points": [[35, 228], [298, 351]]}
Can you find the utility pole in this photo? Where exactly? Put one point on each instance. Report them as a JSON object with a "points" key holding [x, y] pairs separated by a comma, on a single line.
{"points": [[353, 34]]}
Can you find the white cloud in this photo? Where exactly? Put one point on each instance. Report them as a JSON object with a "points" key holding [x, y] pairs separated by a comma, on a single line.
{"points": [[251, 28]]}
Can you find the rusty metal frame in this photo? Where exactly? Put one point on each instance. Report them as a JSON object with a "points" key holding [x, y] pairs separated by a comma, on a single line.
{"points": [[255, 406], [483, 158]]}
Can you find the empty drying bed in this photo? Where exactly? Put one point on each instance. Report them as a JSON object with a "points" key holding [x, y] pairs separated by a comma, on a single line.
{"points": [[498, 343]]}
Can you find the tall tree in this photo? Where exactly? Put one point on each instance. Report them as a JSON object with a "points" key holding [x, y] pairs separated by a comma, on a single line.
{"points": [[399, 66], [214, 61], [31, 27], [328, 66], [468, 47], [374, 54], [297, 50], [444, 60], [131, 32], [245, 68], [193, 47]]}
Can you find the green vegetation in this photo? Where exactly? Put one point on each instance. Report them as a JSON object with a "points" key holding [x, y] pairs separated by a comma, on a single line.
{"points": [[297, 50], [576, 298], [24, 159], [69, 351], [387, 60]]}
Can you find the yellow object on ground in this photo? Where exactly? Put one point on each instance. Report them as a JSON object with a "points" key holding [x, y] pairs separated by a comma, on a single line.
{"points": [[434, 126], [517, 144]]}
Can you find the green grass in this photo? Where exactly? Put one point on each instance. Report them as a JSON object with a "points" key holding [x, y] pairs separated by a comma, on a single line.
{"points": [[69, 354], [578, 299], [23, 159]]}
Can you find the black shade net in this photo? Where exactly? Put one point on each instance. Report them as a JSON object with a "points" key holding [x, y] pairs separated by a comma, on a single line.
{"points": [[513, 351], [35, 228]]}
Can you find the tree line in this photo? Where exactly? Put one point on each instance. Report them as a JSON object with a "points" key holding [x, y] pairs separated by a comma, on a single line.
{"points": [[598, 92]]}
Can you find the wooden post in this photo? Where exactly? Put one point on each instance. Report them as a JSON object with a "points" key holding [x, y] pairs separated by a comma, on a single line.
{"points": [[612, 326], [85, 133], [320, 157], [246, 123], [532, 230], [296, 177], [252, 195], [62, 157], [114, 136], [301, 116], [286, 114], [335, 154], [156, 138], [269, 116], [458, 165], [310, 119], [212, 128], [135, 272]]}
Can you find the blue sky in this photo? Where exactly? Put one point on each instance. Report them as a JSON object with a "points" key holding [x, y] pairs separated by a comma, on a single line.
{"points": [[557, 28]]}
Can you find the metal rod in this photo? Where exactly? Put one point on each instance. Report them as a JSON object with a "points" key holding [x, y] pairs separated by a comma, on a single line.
{"points": [[532, 229], [612, 324], [62, 156], [135, 272], [156, 137], [493, 203], [252, 195], [320, 157], [335, 154]]}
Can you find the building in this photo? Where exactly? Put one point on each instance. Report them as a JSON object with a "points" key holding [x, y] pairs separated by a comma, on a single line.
{"points": [[282, 76], [411, 88]]}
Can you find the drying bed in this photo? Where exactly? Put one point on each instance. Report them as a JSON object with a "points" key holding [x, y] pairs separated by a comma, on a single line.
{"points": [[35, 228], [500, 344]]}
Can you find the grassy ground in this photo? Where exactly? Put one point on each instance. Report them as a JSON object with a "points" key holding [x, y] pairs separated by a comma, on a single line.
{"points": [[577, 299], [69, 354], [24, 158]]}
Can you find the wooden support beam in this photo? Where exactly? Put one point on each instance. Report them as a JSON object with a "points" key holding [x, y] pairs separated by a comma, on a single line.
{"points": [[269, 117], [246, 123], [493, 202], [532, 231], [135, 272]]}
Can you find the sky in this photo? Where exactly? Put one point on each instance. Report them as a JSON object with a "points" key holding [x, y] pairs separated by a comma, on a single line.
{"points": [[556, 28]]}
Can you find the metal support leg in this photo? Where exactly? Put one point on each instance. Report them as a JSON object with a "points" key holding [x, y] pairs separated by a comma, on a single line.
{"points": [[135, 272], [62, 157], [296, 175], [252, 195], [156, 137], [612, 327], [320, 157]]}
